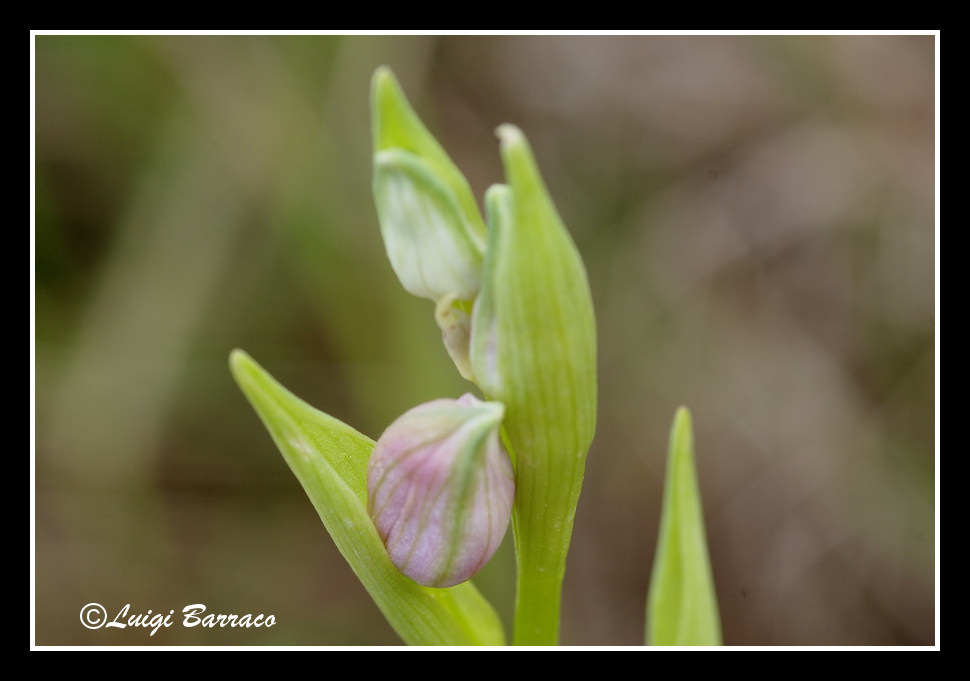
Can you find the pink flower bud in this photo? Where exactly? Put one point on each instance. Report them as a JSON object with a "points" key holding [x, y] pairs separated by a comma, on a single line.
{"points": [[440, 489]]}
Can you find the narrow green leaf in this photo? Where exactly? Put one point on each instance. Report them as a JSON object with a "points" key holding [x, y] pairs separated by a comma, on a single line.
{"points": [[682, 604], [329, 459]]}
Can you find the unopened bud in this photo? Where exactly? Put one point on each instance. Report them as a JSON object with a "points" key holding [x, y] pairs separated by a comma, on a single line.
{"points": [[440, 489], [433, 249]]}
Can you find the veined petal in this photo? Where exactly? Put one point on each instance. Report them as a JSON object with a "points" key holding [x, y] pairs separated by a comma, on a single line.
{"points": [[440, 489]]}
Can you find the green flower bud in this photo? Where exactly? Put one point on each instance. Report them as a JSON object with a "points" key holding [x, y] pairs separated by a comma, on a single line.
{"points": [[433, 232], [440, 489], [432, 250]]}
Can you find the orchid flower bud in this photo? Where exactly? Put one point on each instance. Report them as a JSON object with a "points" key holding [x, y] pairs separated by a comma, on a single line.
{"points": [[440, 489], [431, 248], [433, 231]]}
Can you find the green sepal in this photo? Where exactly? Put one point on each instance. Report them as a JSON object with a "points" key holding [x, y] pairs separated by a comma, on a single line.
{"points": [[330, 459], [682, 603]]}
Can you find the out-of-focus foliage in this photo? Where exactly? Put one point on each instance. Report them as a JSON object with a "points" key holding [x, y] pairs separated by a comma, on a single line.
{"points": [[756, 215]]}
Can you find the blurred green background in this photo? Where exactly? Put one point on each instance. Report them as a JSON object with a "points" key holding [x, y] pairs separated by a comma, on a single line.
{"points": [[757, 219]]}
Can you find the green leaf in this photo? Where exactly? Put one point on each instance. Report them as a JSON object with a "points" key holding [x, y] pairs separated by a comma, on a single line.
{"points": [[330, 459], [682, 604], [533, 348]]}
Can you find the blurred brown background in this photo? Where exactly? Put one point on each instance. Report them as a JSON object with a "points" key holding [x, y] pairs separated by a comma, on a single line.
{"points": [[757, 218]]}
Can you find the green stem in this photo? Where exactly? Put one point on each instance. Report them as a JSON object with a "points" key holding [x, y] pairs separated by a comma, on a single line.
{"points": [[537, 611], [537, 606], [542, 527]]}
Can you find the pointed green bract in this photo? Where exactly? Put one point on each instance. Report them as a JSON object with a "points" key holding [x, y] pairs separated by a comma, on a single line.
{"points": [[682, 603], [330, 459], [397, 126], [533, 348]]}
